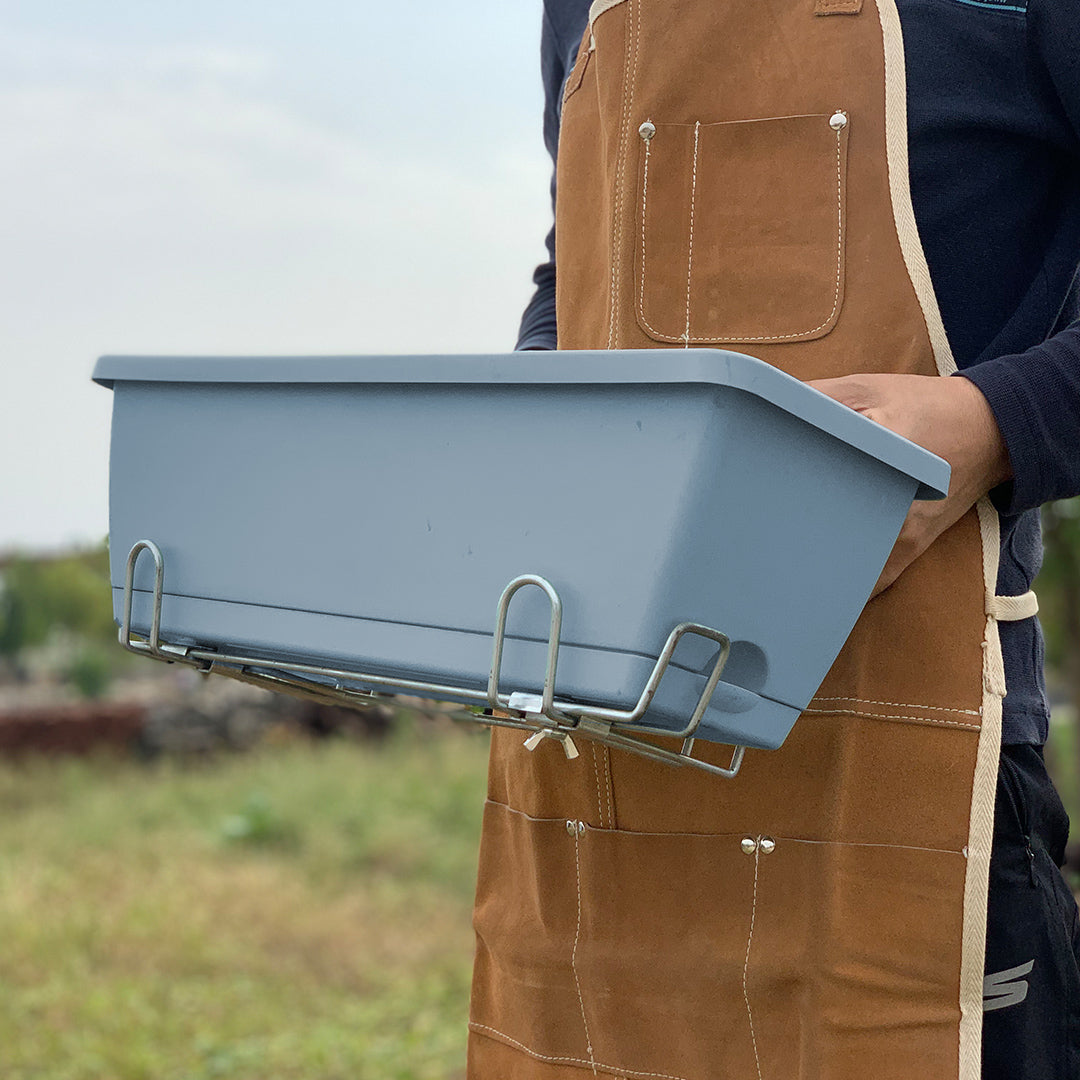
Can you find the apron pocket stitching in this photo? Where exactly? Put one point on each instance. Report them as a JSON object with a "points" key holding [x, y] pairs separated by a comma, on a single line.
{"points": [[629, 75], [746, 962], [595, 754], [686, 337], [573, 954], [895, 717], [558, 1060], [644, 254], [902, 705], [866, 844], [561, 822], [690, 249], [607, 781], [521, 813]]}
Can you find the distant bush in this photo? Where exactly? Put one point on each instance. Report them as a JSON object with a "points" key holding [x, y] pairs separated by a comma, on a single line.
{"points": [[1058, 585], [39, 596], [90, 673]]}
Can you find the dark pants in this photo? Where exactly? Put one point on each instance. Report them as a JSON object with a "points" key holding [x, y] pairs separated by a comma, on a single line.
{"points": [[1031, 993]]}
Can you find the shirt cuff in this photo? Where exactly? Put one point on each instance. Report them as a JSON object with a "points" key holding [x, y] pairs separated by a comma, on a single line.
{"points": [[1019, 424]]}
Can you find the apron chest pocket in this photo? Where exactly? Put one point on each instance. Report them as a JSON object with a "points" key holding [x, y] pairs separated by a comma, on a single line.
{"points": [[741, 233]]}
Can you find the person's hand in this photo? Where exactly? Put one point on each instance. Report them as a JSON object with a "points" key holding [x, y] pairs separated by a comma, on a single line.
{"points": [[950, 418]]}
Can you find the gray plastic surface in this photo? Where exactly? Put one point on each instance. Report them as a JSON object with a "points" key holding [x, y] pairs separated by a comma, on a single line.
{"points": [[368, 511]]}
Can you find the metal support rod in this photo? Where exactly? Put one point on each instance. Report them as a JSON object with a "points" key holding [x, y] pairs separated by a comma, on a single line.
{"points": [[129, 594], [554, 636], [628, 720], [561, 719]]}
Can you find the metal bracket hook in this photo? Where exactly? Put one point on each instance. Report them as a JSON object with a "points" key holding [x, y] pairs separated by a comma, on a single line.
{"points": [[154, 641], [547, 703], [542, 715]]}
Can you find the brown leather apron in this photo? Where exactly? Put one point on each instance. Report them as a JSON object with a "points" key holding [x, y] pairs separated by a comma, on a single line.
{"points": [[734, 172]]}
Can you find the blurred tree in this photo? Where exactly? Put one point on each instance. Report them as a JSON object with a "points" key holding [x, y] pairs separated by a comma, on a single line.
{"points": [[38, 596], [23, 624], [1059, 593], [90, 673]]}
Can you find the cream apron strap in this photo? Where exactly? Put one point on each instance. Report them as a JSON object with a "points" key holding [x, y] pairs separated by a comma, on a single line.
{"points": [[837, 7], [598, 7], [1012, 608]]}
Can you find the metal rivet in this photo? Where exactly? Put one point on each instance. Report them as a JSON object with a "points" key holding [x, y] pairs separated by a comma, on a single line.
{"points": [[647, 130], [768, 845], [571, 827], [580, 827], [748, 845], [838, 120]]}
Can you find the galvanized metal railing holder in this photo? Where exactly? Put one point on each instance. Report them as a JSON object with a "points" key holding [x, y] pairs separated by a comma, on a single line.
{"points": [[542, 715]]}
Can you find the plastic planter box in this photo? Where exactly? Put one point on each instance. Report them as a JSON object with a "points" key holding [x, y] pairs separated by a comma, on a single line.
{"points": [[367, 512]]}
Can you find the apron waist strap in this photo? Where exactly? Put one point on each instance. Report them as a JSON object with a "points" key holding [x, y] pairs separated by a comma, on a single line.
{"points": [[1012, 608]]}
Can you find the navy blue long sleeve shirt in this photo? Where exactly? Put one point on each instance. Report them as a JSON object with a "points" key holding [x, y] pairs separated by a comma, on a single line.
{"points": [[993, 90]]}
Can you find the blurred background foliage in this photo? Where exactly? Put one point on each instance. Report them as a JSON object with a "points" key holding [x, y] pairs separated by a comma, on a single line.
{"points": [[199, 879], [1058, 586], [65, 594]]}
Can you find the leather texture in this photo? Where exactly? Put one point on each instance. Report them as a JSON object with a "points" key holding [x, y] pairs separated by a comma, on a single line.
{"points": [[630, 920]]}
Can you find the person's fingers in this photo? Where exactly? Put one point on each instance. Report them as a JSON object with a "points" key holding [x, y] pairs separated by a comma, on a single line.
{"points": [[925, 522], [906, 550], [855, 391], [949, 417], [900, 558]]}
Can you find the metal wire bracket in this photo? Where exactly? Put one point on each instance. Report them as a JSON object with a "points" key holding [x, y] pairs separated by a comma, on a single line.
{"points": [[542, 715]]}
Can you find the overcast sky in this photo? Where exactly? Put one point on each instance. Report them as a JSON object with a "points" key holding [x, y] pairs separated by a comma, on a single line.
{"points": [[247, 176]]}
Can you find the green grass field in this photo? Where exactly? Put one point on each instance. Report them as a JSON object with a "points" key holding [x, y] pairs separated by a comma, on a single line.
{"points": [[299, 912]]}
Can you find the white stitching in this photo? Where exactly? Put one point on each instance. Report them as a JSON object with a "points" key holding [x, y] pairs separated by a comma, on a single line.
{"points": [[573, 954], [569, 1060], [615, 208], [746, 964], [865, 844], [644, 212], [902, 705], [635, 14], [661, 336], [629, 74], [723, 836], [521, 813], [595, 748], [754, 120], [882, 716], [690, 252], [607, 779]]}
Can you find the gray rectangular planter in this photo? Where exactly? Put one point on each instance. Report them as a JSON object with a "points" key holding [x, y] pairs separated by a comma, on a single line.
{"points": [[366, 513]]}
